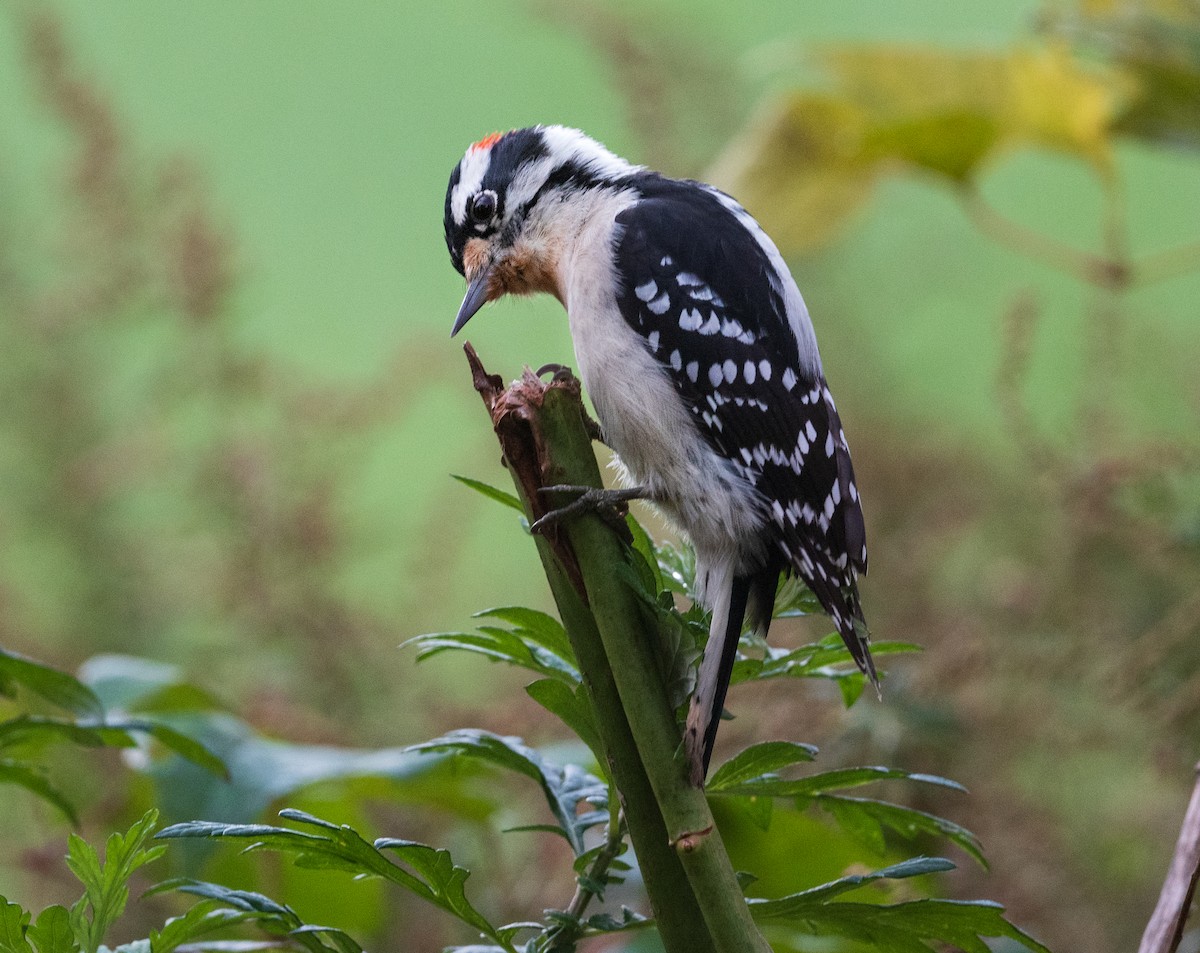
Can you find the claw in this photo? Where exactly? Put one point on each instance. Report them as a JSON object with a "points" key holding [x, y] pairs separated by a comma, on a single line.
{"points": [[560, 371], [590, 500]]}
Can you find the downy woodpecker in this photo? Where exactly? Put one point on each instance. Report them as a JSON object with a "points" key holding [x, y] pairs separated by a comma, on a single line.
{"points": [[696, 348]]}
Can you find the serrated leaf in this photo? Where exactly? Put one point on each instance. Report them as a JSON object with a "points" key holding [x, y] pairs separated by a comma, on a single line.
{"points": [[917, 926], [13, 921], [575, 710], [537, 627], [758, 762], [106, 889], [491, 492], [56, 687], [677, 569], [52, 932], [340, 939], [429, 873], [32, 779], [607, 923], [565, 786], [867, 820]]}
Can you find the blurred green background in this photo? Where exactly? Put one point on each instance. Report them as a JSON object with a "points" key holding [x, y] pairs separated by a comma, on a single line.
{"points": [[232, 407]]}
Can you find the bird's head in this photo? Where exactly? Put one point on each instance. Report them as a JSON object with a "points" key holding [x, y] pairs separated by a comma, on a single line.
{"points": [[509, 209]]}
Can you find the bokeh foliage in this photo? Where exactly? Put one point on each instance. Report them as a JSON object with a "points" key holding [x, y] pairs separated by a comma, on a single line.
{"points": [[998, 246]]}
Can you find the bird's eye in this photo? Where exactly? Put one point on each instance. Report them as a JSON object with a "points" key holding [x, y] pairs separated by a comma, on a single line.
{"points": [[483, 206]]}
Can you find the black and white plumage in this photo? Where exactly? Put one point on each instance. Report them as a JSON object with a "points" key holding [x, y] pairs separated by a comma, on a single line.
{"points": [[698, 353]]}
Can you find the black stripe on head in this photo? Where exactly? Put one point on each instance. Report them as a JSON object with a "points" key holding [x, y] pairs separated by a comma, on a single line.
{"points": [[506, 156], [454, 247]]}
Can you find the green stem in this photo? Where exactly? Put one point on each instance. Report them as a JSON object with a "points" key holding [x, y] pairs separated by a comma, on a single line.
{"points": [[529, 455], [693, 889]]}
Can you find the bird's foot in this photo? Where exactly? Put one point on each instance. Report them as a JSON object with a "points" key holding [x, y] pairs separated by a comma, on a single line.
{"points": [[590, 499]]}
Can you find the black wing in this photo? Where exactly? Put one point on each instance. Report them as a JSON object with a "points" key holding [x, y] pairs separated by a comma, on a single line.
{"points": [[702, 291]]}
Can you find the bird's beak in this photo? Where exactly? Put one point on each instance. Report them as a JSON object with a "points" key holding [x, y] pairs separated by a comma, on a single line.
{"points": [[475, 298]]}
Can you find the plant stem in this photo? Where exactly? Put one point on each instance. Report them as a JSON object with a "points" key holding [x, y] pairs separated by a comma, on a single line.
{"points": [[693, 890], [1111, 274]]}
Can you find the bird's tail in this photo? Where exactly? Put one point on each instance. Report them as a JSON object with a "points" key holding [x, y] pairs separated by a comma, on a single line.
{"points": [[843, 606]]}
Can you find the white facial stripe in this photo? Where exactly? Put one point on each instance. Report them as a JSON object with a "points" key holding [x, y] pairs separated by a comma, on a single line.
{"points": [[563, 145], [566, 144], [471, 172]]}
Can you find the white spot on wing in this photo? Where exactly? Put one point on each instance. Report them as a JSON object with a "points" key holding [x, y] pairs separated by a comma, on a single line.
{"points": [[789, 378], [687, 280], [689, 319], [712, 325], [730, 371], [693, 370], [659, 305], [647, 291], [653, 339], [715, 375], [764, 368], [749, 372], [676, 360]]}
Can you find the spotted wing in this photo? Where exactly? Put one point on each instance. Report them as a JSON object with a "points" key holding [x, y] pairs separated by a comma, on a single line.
{"points": [[703, 292]]}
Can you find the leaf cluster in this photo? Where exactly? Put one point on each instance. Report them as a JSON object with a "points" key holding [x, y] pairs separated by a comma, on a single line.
{"points": [[86, 722], [1092, 75]]}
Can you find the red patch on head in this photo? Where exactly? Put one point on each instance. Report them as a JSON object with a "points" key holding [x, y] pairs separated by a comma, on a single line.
{"points": [[487, 141]]}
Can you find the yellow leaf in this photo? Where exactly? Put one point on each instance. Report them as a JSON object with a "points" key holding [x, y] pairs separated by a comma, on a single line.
{"points": [[799, 169], [895, 81], [1055, 102]]}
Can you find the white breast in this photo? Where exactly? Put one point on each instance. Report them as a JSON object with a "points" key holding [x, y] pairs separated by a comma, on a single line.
{"points": [[644, 420]]}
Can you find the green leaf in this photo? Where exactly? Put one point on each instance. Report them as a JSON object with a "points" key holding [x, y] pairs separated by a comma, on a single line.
{"points": [[867, 820], [13, 921], [106, 889], [565, 786], [56, 687], [52, 932], [835, 780], [129, 683], [430, 874], [574, 708], [607, 923], [797, 905], [34, 729], [537, 642], [758, 762], [491, 492], [343, 941], [815, 660], [917, 926], [677, 569], [533, 626], [32, 779], [643, 545]]}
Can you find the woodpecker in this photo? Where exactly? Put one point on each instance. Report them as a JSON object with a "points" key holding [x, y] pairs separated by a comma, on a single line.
{"points": [[701, 362]]}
